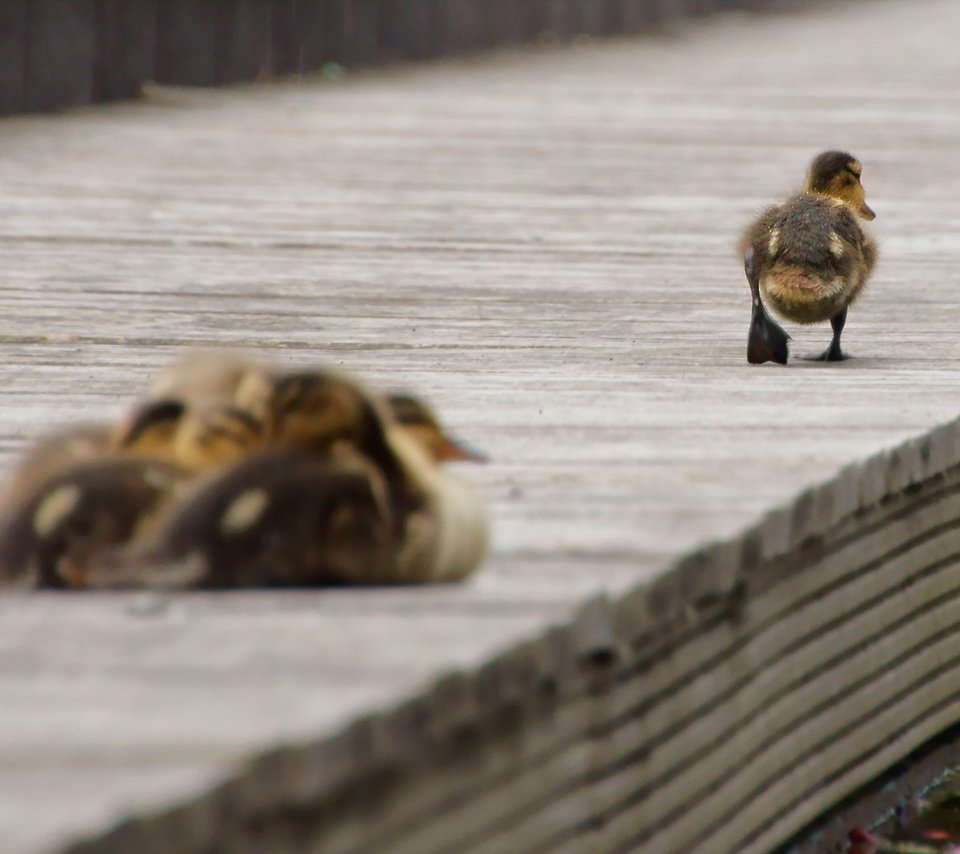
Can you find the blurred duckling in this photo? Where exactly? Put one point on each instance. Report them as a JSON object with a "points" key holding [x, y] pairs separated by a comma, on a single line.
{"points": [[329, 413], [277, 518], [445, 538], [809, 258], [358, 499], [198, 440], [445, 523], [419, 421], [53, 452], [79, 515]]}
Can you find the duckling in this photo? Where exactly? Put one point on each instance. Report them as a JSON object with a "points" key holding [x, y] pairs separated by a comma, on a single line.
{"points": [[287, 517], [445, 520], [809, 257], [446, 537], [197, 440], [445, 529], [53, 452], [317, 409], [79, 515], [419, 421], [330, 413]]}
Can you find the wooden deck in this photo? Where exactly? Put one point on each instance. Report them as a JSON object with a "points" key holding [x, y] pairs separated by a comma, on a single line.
{"points": [[542, 242]]}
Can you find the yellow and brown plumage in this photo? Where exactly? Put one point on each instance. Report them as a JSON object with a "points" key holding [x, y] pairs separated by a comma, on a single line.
{"points": [[369, 505], [252, 477], [808, 258], [197, 439]]}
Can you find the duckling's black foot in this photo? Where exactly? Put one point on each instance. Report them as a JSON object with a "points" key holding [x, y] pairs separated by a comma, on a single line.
{"points": [[833, 353], [767, 341]]}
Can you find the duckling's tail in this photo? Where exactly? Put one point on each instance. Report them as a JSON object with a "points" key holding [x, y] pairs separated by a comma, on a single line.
{"points": [[804, 297]]}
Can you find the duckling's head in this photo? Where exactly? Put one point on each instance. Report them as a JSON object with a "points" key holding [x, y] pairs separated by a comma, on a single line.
{"points": [[150, 430], [196, 439], [316, 410], [837, 174], [420, 422], [213, 437]]}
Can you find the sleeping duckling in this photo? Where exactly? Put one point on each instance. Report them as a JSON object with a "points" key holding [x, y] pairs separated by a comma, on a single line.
{"points": [[277, 518], [196, 439], [809, 257], [445, 520], [79, 515], [317, 409], [329, 413]]}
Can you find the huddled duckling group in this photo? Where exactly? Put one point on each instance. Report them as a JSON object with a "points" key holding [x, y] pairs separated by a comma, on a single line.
{"points": [[809, 258], [234, 474]]}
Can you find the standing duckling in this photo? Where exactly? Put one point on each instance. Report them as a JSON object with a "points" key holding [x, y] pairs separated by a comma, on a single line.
{"points": [[809, 258]]}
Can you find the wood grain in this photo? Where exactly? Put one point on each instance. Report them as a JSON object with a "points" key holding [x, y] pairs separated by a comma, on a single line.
{"points": [[540, 242]]}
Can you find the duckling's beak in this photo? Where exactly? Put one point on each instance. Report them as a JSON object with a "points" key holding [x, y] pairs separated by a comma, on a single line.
{"points": [[450, 450], [867, 212]]}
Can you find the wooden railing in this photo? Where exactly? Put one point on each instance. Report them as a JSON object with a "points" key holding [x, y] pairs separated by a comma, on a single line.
{"points": [[56, 54]]}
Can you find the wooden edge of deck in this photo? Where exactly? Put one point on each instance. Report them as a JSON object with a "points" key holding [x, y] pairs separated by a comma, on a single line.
{"points": [[738, 699]]}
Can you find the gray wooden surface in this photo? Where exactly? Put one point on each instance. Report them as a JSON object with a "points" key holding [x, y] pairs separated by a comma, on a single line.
{"points": [[542, 243]]}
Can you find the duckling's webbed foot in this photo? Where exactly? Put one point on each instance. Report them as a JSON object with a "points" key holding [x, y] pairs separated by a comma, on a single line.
{"points": [[833, 353], [767, 341]]}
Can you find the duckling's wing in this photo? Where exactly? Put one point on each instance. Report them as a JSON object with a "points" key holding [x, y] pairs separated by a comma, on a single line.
{"points": [[816, 234], [757, 235], [277, 518]]}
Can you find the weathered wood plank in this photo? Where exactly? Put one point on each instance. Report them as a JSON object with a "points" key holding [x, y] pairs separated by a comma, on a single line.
{"points": [[543, 245]]}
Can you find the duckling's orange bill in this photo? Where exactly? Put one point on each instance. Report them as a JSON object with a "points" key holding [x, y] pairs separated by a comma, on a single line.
{"points": [[452, 450]]}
